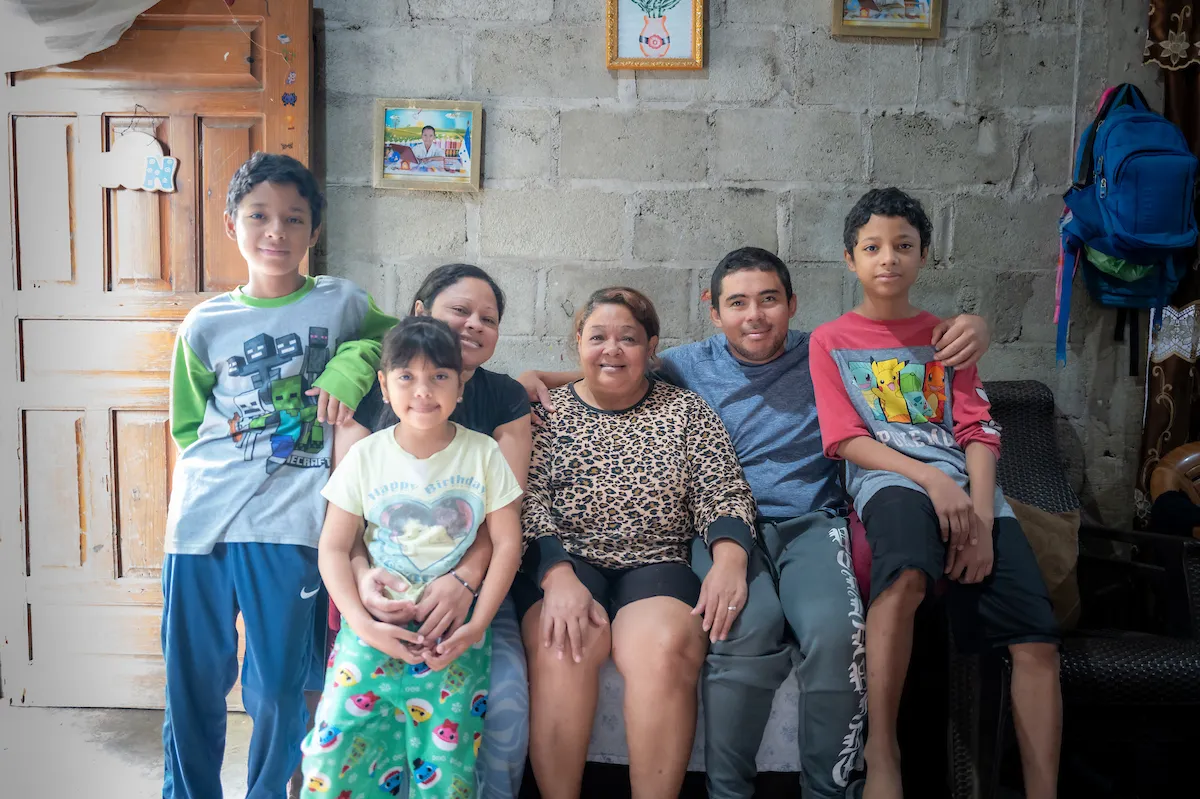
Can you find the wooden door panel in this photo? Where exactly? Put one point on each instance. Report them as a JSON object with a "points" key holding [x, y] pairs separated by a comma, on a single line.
{"points": [[224, 144], [99, 279], [150, 52], [135, 352], [139, 225], [55, 490], [144, 457], [45, 155]]}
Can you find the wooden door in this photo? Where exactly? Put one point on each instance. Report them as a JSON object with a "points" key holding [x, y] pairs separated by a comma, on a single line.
{"points": [[97, 282]]}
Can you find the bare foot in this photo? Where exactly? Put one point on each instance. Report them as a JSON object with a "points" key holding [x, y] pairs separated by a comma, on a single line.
{"points": [[883, 773]]}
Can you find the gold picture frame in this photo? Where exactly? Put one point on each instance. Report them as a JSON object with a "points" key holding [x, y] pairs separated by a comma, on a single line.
{"points": [[888, 18], [651, 33], [403, 157]]}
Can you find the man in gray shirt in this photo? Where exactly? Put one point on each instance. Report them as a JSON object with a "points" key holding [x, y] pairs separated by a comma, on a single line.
{"points": [[755, 374]]}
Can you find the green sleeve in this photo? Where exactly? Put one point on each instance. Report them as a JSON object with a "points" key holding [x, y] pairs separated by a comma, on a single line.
{"points": [[191, 386], [350, 373]]}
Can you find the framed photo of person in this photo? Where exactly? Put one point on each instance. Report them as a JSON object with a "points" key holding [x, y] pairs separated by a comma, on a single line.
{"points": [[655, 34], [427, 144], [915, 19]]}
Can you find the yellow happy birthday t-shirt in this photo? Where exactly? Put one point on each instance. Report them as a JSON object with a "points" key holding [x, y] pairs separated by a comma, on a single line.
{"points": [[422, 513]]}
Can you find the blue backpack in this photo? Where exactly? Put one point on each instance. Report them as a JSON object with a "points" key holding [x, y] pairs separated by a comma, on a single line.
{"points": [[1129, 215]]}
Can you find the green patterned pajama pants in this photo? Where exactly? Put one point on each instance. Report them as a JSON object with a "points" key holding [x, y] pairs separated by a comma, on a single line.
{"points": [[384, 726]]}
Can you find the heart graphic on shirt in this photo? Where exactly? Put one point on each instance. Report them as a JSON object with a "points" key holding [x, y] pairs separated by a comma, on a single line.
{"points": [[424, 534]]}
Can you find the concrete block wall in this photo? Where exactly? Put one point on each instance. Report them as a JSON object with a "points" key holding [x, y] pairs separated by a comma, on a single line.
{"points": [[645, 178]]}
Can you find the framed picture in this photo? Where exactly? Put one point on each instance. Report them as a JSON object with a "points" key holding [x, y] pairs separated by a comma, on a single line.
{"points": [[655, 34], [427, 144], [916, 19]]}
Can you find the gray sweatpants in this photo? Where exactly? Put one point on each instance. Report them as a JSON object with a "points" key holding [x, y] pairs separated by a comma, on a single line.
{"points": [[799, 577]]}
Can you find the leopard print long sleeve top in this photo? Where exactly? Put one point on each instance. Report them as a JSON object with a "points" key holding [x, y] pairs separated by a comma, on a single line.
{"points": [[630, 488]]}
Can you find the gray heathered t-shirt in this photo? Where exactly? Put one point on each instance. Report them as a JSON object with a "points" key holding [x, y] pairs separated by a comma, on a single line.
{"points": [[771, 415]]}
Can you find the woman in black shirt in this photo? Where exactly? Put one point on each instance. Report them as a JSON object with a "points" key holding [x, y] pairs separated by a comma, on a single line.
{"points": [[466, 298]]}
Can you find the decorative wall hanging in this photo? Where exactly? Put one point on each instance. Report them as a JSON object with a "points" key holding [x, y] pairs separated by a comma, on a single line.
{"points": [[916, 19], [427, 144], [655, 34], [136, 161]]}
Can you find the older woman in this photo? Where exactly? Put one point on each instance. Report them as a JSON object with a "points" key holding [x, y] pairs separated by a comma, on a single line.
{"points": [[623, 476]]}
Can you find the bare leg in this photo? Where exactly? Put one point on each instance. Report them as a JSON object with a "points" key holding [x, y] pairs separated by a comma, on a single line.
{"points": [[296, 784], [889, 647], [658, 647], [562, 705], [1037, 716]]}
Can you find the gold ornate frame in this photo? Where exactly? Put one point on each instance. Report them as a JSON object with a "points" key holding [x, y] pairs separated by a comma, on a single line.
{"points": [[842, 28], [380, 180], [696, 61]]}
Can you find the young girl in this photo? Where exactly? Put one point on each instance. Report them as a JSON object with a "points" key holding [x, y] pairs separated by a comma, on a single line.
{"points": [[393, 710]]}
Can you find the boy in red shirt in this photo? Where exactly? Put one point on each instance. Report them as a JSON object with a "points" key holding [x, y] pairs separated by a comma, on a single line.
{"points": [[921, 449]]}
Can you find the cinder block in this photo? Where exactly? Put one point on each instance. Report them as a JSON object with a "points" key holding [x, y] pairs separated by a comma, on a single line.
{"points": [[821, 66], [854, 70], [968, 13], [507, 11], [1036, 68], [946, 292], [582, 11], [946, 70], [1023, 308], [373, 12], [1047, 12], [703, 224], [1007, 305], [555, 224], [568, 288], [516, 354], [542, 62], [376, 279], [1112, 54], [349, 139], [820, 297], [913, 150], [999, 233], [642, 146], [776, 12], [516, 143], [744, 65], [367, 224], [1050, 153], [780, 144], [410, 62], [896, 74], [817, 220]]}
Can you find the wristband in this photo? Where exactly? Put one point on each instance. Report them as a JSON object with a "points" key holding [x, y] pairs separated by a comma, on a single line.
{"points": [[465, 584]]}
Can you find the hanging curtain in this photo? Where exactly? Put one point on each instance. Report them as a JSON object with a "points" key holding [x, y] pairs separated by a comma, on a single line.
{"points": [[42, 33], [1172, 415]]}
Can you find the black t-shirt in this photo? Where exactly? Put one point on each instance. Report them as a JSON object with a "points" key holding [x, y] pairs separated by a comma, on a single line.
{"points": [[490, 399]]}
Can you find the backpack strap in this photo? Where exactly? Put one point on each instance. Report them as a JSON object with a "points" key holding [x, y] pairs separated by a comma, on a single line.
{"points": [[1125, 94], [1063, 312], [1133, 342]]}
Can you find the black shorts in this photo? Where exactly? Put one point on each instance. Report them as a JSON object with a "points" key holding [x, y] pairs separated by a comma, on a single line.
{"points": [[616, 588], [1010, 606]]}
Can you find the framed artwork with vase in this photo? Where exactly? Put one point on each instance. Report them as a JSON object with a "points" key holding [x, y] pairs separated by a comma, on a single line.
{"points": [[655, 34], [915, 19]]}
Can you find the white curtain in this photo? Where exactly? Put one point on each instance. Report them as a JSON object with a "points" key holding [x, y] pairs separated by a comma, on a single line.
{"points": [[41, 33]]}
